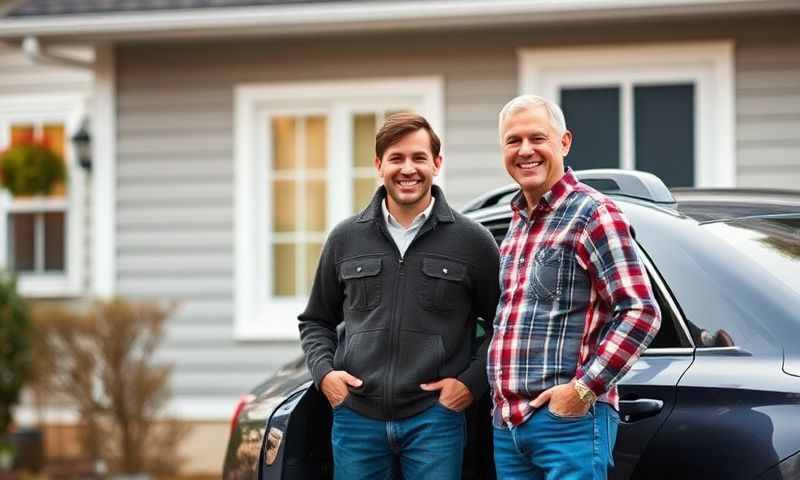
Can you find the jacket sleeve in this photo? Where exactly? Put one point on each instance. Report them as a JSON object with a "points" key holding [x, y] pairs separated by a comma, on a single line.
{"points": [[485, 294], [322, 314], [608, 252]]}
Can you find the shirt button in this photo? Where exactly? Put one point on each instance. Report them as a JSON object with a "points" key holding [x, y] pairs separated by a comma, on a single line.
{"points": [[521, 260], [358, 269], [444, 270]]}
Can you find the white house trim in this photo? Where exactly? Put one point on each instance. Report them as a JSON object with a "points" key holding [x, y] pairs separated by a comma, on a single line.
{"points": [[708, 65], [360, 16], [179, 409], [257, 315], [103, 127], [68, 109]]}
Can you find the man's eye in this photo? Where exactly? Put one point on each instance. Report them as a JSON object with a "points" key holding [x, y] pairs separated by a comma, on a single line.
{"points": [[512, 141]]}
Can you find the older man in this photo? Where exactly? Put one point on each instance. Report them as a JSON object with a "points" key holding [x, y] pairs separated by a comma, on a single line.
{"points": [[576, 309]]}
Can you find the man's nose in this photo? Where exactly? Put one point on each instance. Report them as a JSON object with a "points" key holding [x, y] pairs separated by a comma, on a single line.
{"points": [[526, 149], [408, 167]]}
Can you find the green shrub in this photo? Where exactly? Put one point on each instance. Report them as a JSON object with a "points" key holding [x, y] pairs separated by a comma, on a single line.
{"points": [[31, 169], [15, 348]]}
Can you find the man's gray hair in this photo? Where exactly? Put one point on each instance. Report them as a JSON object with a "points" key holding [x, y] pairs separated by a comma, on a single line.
{"points": [[529, 102]]}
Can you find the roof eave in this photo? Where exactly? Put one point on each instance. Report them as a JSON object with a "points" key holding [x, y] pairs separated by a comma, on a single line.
{"points": [[364, 16]]}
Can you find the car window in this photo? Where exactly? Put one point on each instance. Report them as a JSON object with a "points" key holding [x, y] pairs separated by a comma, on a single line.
{"points": [[735, 282], [668, 335], [771, 243], [768, 250]]}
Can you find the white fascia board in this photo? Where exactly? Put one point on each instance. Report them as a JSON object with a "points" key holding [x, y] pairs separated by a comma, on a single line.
{"points": [[184, 409], [359, 16]]}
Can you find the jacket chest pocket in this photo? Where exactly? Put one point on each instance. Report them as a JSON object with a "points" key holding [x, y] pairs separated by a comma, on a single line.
{"points": [[546, 280], [443, 285], [362, 283]]}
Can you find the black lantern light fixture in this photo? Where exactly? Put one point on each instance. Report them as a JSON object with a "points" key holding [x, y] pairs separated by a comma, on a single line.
{"points": [[83, 146]]}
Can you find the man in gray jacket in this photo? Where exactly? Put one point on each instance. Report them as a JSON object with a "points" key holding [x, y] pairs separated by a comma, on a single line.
{"points": [[409, 277]]}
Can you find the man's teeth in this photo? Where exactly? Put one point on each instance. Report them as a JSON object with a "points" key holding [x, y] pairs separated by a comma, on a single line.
{"points": [[408, 183], [530, 164]]}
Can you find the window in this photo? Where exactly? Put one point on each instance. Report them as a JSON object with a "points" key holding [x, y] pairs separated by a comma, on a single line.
{"points": [[42, 236], [664, 109], [304, 162]]}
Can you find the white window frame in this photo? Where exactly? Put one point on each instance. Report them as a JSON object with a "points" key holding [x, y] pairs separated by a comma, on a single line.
{"points": [[68, 110], [258, 316], [707, 65]]}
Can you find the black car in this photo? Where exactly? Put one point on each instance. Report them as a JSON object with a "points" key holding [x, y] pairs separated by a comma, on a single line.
{"points": [[717, 394]]}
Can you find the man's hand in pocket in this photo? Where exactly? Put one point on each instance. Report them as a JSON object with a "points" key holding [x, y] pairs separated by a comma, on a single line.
{"points": [[334, 386]]}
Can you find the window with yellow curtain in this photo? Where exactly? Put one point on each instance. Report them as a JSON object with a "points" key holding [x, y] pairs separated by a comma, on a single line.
{"points": [[300, 176], [36, 240], [298, 185]]}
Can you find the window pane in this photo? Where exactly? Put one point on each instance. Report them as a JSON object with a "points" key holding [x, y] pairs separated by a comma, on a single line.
{"points": [[315, 206], [53, 137], [664, 132], [54, 241], [363, 189], [21, 241], [363, 140], [283, 143], [313, 251], [21, 133], [283, 271], [283, 206], [592, 116], [316, 143]]}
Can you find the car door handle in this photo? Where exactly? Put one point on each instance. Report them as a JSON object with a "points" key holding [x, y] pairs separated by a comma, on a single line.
{"points": [[632, 410]]}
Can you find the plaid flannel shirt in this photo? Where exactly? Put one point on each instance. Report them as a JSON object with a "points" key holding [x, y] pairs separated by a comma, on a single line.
{"points": [[575, 301]]}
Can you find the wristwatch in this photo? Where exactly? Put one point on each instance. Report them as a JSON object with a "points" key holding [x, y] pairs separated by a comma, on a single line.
{"points": [[584, 393]]}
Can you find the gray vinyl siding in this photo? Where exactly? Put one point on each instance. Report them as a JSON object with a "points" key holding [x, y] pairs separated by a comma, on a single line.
{"points": [[175, 193], [768, 114], [19, 77]]}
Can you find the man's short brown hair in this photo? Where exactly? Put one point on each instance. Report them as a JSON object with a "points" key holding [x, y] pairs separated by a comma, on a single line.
{"points": [[398, 126]]}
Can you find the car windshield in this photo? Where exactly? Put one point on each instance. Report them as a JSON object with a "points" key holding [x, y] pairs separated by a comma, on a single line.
{"points": [[772, 243]]}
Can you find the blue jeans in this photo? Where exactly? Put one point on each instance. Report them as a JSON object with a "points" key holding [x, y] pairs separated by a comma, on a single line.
{"points": [[550, 447], [429, 445]]}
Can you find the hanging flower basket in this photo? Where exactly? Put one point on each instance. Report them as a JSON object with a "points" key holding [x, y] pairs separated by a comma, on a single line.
{"points": [[31, 169]]}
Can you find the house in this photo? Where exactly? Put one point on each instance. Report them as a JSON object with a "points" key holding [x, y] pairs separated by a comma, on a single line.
{"points": [[230, 135]]}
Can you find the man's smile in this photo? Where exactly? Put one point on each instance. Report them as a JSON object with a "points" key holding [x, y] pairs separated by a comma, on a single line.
{"points": [[529, 164]]}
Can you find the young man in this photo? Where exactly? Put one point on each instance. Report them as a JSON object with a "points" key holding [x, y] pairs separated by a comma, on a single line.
{"points": [[408, 276], [576, 309]]}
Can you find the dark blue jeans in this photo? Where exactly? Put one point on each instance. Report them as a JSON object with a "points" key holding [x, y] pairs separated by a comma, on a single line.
{"points": [[429, 445], [550, 447]]}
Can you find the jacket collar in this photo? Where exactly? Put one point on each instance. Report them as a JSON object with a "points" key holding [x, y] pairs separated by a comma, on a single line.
{"points": [[441, 209]]}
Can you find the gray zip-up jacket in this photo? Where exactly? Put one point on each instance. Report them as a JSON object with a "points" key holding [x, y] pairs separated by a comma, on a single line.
{"points": [[407, 320]]}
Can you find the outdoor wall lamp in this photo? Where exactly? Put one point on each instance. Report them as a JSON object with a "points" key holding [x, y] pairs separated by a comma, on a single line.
{"points": [[83, 146]]}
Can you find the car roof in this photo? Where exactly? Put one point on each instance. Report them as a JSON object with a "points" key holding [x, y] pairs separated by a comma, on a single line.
{"points": [[713, 205], [700, 204]]}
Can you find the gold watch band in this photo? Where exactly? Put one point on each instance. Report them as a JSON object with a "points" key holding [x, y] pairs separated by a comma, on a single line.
{"points": [[584, 393]]}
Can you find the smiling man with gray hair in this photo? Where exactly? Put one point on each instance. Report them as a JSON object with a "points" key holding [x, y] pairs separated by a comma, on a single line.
{"points": [[576, 309]]}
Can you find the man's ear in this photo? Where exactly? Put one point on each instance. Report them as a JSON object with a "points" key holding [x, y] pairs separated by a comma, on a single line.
{"points": [[566, 142], [377, 162], [437, 164]]}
